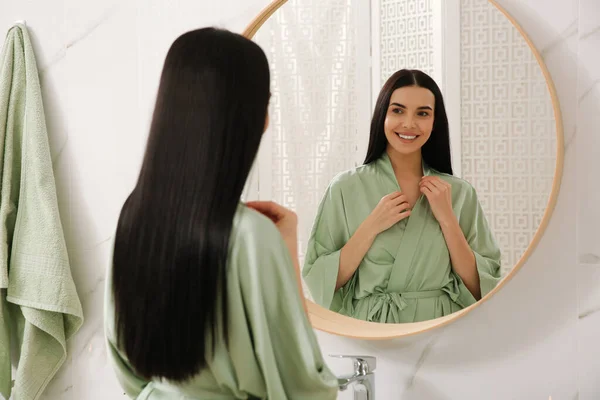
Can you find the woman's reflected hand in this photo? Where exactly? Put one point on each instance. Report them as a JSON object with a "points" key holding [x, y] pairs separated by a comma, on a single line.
{"points": [[439, 195], [392, 208]]}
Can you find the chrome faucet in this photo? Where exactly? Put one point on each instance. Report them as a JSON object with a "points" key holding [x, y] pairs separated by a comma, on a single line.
{"points": [[363, 377]]}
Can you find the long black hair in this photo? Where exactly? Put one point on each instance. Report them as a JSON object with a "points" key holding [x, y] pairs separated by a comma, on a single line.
{"points": [[172, 239], [436, 151]]}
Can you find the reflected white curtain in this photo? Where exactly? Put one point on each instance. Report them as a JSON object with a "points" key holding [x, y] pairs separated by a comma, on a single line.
{"points": [[313, 133]]}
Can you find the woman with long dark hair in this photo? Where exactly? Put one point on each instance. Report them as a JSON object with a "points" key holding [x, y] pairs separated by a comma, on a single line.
{"points": [[400, 239], [203, 298]]}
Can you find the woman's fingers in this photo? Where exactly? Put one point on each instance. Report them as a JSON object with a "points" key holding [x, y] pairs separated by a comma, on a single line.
{"points": [[427, 187], [400, 200], [268, 208], [402, 215], [393, 195], [435, 181]]}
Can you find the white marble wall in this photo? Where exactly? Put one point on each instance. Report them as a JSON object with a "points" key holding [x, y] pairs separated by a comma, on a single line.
{"points": [[100, 61]]}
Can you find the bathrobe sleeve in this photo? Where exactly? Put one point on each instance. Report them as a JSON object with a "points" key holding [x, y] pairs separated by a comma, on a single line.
{"points": [[481, 240], [128, 379], [285, 345], [322, 261]]}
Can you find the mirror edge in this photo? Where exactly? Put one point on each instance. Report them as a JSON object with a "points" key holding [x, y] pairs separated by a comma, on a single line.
{"points": [[341, 325], [262, 17]]}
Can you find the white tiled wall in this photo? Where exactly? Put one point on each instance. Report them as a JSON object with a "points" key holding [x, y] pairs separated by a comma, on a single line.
{"points": [[587, 143], [100, 62]]}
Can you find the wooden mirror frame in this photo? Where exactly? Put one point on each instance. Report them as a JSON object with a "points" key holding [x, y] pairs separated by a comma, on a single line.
{"points": [[337, 324]]}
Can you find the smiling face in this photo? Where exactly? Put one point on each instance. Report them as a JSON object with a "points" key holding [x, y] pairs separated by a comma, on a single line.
{"points": [[409, 119]]}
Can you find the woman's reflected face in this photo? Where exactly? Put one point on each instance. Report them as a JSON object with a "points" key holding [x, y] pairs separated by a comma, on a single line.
{"points": [[409, 119]]}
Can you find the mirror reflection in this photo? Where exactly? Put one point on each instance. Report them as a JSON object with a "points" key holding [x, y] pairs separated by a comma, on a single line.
{"points": [[416, 141], [400, 239]]}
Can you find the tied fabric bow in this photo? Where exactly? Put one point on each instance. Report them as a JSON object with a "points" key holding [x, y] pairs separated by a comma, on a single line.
{"points": [[385, 303]]}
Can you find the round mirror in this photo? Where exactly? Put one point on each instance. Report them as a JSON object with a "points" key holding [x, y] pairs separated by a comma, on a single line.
{"points": [[476, 103]]}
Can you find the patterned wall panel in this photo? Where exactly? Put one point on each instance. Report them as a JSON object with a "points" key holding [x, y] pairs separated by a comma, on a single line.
{"points": [[406, 36], [508, 128], [311, 46]]}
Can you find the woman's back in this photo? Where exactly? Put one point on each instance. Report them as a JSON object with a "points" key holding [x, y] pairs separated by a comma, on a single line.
{"points": [[272, 351]]}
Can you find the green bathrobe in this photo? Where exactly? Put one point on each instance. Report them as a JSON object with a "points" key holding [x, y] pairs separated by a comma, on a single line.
{"points": [[273, 351], [406, 276]]}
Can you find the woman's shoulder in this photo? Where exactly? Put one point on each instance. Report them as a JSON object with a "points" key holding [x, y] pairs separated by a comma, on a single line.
{"points": [[254, 241], [248, 223], [351, 177]]}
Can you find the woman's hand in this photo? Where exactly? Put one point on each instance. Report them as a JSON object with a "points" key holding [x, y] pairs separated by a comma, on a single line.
{"points": [[439, 195], [285, 220], [391, 209]]}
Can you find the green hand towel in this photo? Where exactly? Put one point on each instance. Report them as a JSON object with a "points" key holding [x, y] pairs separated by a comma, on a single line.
{"points": [[35, 276]]}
